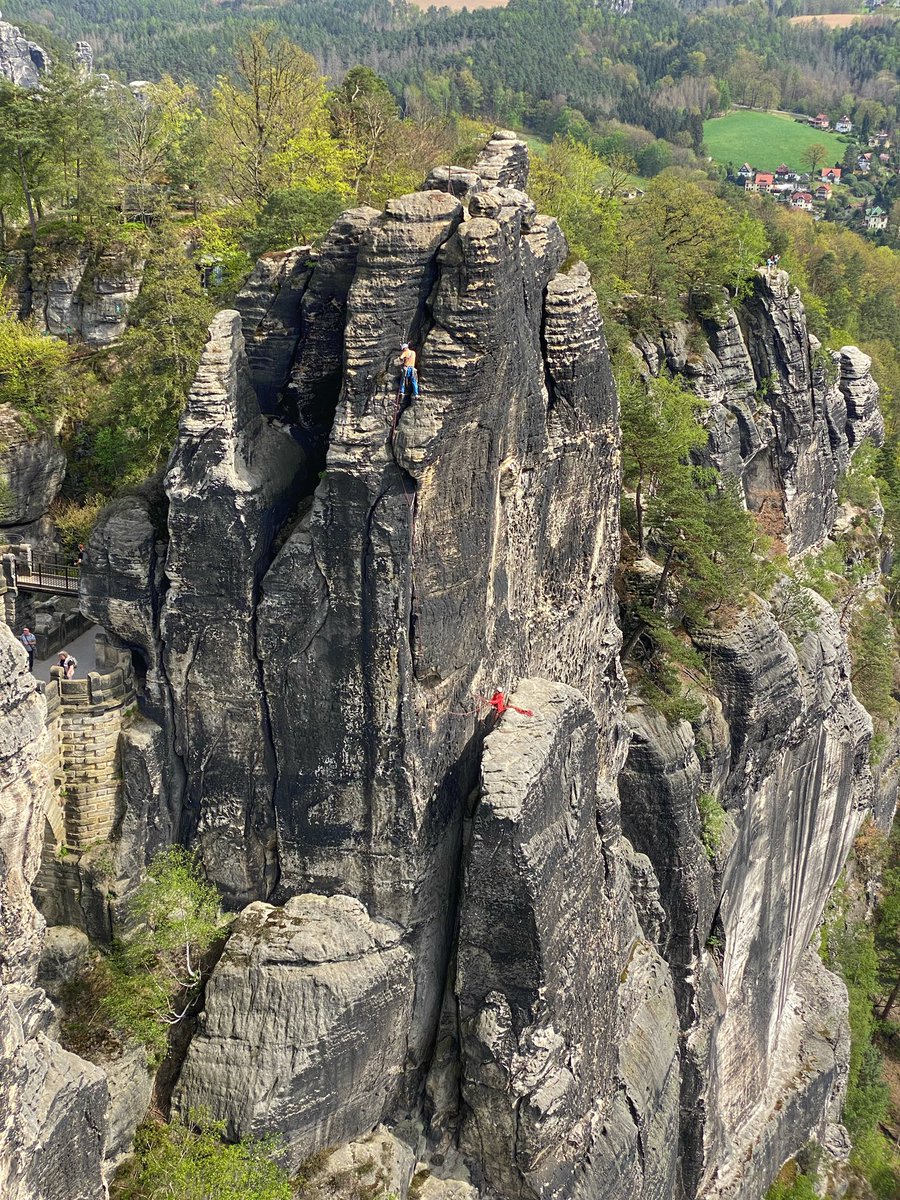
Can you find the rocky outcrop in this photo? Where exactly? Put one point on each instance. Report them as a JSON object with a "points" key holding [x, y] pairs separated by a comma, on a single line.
{"points": [[504, 161], [450, 546], [790, 768], [453, 923], [83, 58], [231, 482], [32, 469], [564, 1093], [784, 416], [79, 292], [52, 1103], [21, 61], [305, 1024]]}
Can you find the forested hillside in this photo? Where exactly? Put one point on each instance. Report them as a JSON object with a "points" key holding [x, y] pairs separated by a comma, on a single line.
{"points": [[658, 66]]}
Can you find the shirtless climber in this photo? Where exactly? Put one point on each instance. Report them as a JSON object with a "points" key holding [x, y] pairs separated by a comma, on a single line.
{"points": [[408, 365]]}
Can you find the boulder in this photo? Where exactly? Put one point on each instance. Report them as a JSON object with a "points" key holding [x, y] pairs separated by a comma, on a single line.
{"points": [[32, 467], [22, 62], [305, 1025]]}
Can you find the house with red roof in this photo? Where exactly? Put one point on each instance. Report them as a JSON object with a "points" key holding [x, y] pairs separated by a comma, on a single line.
{"points": [[802, 200], [762, 181], [820, 121], [784, 174], [823, 191], [831, 175]]}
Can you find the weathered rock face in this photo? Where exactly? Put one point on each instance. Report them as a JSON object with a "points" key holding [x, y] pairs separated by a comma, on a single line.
{"points": [[549, 1034], [783, 418], [418, 560], [52, 1103], [230, 484], [448, 930], [783, 747], [269, 304], [82, 295], [305, 1025], [32, 467], [791, 770], [452, 545], [21, 62]]}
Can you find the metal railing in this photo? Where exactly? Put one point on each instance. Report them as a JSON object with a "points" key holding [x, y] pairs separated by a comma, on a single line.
{"points": [[49, 573]]}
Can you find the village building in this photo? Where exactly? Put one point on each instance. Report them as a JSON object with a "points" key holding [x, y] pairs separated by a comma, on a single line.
{"points": [[820, 121], [823, 191], [762, 181], [876, 218], [831, 175], [844, 125], [864, 163], [802, 200]]}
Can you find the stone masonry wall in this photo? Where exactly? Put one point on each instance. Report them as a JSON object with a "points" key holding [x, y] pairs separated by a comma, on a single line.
{"points": [[90, 715]]}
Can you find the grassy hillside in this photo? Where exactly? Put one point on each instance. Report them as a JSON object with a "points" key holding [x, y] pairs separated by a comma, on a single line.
{"points": [[765, 140]]}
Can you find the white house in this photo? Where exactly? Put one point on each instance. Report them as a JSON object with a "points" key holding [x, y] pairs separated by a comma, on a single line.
{"points": [[876, 218], [844, 125]]}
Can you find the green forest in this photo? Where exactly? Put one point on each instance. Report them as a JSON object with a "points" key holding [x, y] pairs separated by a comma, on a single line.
{"points": [[657, 66]]}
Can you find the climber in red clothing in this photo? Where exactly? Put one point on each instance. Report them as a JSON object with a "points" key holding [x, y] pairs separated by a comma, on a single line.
{"points": [[500, 704], [497, 704]]}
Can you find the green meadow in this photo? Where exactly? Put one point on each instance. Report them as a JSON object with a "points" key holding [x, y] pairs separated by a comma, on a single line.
{"points": [[765, 140]]}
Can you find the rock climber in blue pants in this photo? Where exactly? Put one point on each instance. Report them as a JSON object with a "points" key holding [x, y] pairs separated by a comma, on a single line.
{"points": [[408, 363]]}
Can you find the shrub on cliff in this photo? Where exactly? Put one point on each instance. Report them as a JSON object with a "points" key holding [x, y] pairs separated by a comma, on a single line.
{"points": [[189, 1160], [849, 949], [129, 430], [682, 238], [155, 973], [873, 647], [792, 1186], [697, 551], [296, 216], [712, 822], [152, 976], [34, 369]]}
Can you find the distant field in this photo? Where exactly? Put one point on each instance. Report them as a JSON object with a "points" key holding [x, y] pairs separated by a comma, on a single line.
{"points": [[839, 20], [456, 5], [765, 140]]}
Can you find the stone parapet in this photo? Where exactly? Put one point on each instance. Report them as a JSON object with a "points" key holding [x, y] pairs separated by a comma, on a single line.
{"points": [[85, 718]]}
